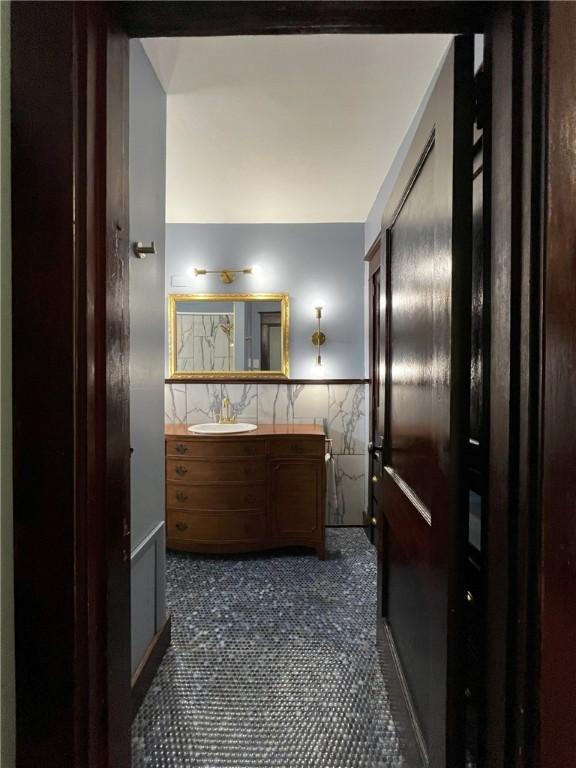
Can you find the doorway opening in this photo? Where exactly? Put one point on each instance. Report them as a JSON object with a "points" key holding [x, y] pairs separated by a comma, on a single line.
{"points": [[272, 186], [86, 632]]}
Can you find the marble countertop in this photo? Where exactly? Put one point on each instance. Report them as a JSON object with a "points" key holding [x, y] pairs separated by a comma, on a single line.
{"points": [[263, 430]]}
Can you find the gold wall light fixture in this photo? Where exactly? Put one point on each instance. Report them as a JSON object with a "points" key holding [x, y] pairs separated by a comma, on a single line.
{"points": [[318, 337], [227, 276]]}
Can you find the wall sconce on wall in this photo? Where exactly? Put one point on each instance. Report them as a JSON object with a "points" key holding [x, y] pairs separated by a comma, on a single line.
{"points": [[318, 337], [226, 275]]}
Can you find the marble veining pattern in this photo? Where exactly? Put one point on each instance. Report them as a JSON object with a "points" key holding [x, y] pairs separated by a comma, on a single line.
{"points": [[203, 341], [347, 418], [350, 489], [175, 403], [273, 664], [243, 400], [339, 408], [284, 403], [205, 405]]}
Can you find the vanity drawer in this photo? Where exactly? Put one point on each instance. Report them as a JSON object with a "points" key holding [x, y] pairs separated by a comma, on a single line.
{"points": [[211, 470], [216, 526], [204, 447], [297, 446], [215, 496]]}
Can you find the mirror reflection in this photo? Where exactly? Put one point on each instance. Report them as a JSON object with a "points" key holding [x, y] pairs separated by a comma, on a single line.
{"points": [[228, 335]]}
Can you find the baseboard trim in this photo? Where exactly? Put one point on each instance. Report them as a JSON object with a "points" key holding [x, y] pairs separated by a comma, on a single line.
{"points": [[413, 745], [144, 674]]}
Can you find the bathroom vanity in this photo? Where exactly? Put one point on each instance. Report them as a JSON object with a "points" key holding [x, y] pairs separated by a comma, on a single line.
{"points": [[244, 492]]}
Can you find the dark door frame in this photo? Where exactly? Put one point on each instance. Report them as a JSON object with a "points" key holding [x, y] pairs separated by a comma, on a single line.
{"points": [[70, 259]]}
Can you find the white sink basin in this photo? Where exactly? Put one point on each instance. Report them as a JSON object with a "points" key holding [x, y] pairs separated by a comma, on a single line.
{"points": [[221, 429]]}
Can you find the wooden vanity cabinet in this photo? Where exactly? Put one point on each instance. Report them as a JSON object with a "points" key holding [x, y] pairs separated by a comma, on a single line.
{"points": [[260, 490]]}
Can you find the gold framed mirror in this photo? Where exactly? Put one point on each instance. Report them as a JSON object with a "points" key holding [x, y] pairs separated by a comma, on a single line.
{"points": [[228, 335]]}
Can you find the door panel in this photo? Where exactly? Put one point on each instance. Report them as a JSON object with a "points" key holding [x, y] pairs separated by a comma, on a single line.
{"points": [[376, 412], [418, 290], [296, 487], [426, 351]]}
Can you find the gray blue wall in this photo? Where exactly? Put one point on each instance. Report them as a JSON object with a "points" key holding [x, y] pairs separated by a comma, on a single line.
{"points": [[7, 729], [147, 222], [307, 261]]}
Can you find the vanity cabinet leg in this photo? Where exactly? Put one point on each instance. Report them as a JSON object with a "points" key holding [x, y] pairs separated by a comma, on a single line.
{"points": [[321, 551]]}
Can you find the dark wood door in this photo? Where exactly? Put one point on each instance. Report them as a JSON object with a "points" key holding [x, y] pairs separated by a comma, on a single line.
{"points": [[557, 694], [72, 540], [426, 235], [376, 402]]}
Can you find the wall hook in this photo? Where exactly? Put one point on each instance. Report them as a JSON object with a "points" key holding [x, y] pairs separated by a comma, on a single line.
{"points": [[141, 250]]}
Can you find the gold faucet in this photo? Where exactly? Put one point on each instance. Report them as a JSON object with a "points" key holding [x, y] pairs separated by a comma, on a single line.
{"points": [[229, 418]]}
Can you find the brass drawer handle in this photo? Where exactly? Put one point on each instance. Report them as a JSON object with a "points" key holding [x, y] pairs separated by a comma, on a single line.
{"points": [[181, 471], [374, 521], [181, 496], [375, 478], [180, 448], [181, 526]]}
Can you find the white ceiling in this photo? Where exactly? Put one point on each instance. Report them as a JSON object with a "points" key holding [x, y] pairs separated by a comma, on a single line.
{"points": [[286, 129]]}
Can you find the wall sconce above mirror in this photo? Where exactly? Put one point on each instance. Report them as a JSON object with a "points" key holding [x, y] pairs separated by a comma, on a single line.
{"points": [[228, 336], [226, 275]]}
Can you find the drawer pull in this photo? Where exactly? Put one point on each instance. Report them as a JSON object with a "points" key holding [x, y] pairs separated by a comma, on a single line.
{"points": [[181, 471], [181, 496], [180, 448], [181, 526], [375, 478]]}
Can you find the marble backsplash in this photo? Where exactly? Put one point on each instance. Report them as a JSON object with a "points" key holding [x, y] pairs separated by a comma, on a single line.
{"points": [[340, 408]]}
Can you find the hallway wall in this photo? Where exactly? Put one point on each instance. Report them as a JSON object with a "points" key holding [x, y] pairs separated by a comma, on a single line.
{"points": [[147, 223], [7, 704]]}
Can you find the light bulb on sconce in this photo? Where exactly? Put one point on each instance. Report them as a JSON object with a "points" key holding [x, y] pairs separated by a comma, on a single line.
{"points": [[318, 338], [256, 270]]}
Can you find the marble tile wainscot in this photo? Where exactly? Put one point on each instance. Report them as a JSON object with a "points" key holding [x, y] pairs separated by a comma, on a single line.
{"points": [[339, 406]]}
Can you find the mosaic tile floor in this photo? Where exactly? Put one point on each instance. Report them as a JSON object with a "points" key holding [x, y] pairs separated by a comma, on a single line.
{"points": [[273, 664]]}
